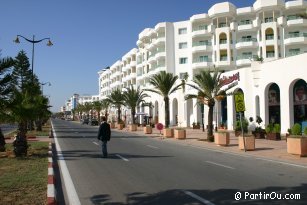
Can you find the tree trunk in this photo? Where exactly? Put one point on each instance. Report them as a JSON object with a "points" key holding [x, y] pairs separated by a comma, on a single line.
{"points": [[118, 114], [133, 114], [210, 123], [167, 120]]}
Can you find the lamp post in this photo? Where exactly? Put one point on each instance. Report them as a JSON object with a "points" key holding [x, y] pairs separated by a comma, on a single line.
{"points": [[42, 84], [33, 41]]}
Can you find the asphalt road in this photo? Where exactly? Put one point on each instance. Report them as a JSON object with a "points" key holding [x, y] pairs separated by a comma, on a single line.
{"points": [[144, 170], [8, 128]]}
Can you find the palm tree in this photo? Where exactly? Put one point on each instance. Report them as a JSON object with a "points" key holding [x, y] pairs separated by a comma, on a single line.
{"points": [[209, 89], [116, 98], [87, 108], [133, 98], [97, 105], [5, 92], [105, 104], [164, 85]]}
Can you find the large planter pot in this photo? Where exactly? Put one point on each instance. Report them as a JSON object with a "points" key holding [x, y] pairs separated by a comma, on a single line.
{"points": [[147, 130], [133, 127], [273, 136], [249, 142], [168, 132], [180, 134], [112, 125], [221, 138], [297, 145], [120, 126]]}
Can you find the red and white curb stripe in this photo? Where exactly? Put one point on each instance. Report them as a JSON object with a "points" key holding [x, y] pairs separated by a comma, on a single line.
{"points": [[51, 194]]}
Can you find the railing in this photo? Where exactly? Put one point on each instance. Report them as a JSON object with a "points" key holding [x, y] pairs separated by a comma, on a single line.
{"points": [[201, 43], [223, 41], [223, 58], [293, 53], [247, 40], [296, 35], [245, 57], [199, 28], [201, 60], [247, 22], [270, 55], [269, 37]]}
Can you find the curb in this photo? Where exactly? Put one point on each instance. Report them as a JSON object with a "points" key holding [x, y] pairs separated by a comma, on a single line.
{"points": [[51, 192]]}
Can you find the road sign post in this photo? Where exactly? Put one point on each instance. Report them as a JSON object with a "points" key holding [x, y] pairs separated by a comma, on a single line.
{"points": [[240, 107], [159, 127]]}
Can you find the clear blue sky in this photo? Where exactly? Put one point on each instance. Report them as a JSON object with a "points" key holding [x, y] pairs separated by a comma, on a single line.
{"points": [[88, 35]]}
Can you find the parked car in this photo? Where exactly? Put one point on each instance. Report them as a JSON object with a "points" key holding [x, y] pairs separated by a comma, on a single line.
{"points": [[93, 122], [84, 121]]}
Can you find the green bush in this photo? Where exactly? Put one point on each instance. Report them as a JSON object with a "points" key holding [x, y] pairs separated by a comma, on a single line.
{"points": [[296, 129], [244, 124], [276, 128], [269, 128], [305, 131]]}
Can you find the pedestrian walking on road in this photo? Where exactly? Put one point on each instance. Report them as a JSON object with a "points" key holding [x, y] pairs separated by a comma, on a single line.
{"points": [[104, 134]]}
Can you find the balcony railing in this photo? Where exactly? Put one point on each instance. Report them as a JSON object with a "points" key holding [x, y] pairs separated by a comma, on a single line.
{"points": [[247, 22], [223, 58], [296, 35], [270, 55], [199, 28], [201, 43], [247, 40], [201, 60], [269, 37], [223, 41], [293, 53]]}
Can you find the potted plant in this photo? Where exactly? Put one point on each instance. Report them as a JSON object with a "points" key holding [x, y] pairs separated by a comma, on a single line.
{"points": [[296, 142], [147, 129], [196, 125], [259, 132], [238, 128], [222, 138], [120, 125], [248, 139], [273, 131], [180, 133], [133, 127], [168, 132]]}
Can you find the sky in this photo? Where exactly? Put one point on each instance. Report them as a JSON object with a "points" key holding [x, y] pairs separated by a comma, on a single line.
{"points": [[88, 35]]}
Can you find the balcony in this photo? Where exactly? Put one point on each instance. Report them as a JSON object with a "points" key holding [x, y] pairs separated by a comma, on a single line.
{"points": [[201, 46], [160, 40], [296, 21], [201, 63], [200, 31], [297, 38], [246, 43], [293, 53], [160, 54]]}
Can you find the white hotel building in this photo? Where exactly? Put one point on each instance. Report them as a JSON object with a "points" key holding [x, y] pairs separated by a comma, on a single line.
{"points": [[227, 38]]}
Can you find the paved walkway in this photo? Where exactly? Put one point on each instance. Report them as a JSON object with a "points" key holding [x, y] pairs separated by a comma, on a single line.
{"points": [[268, 149]]}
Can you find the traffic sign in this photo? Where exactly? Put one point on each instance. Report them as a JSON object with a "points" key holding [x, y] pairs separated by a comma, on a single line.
{"points": [[159, 126], [239, 102]]}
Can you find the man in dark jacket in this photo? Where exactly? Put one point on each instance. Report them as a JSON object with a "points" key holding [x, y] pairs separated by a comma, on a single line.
{"points": [[104, 134]]}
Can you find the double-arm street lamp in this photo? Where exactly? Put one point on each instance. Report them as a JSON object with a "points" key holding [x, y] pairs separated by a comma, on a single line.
{"points": [[33, 41]]}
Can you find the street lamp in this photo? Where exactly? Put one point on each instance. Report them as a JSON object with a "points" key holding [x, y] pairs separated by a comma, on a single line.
{"points": [[42, 84], [33, 41]]}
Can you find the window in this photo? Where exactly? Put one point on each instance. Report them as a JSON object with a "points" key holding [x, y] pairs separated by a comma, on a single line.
{"points": [[183, 60], [269, 19], [294, 34], [182, 31], [203, 58], [183, 45]]}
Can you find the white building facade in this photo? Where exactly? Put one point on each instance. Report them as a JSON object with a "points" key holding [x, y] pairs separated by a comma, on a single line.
{"points": [[230, 39]]}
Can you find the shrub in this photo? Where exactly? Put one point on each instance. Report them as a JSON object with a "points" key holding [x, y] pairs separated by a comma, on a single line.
{"points": [[244, 124], [276, 128], [269, 128], [296, 129], [305, 131]]}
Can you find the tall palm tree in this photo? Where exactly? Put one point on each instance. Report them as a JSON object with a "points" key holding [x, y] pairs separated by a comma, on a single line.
{"points": [[209, 89], [133, 98], [87, 108], [164, 85], [80, 110], [105, 104], [116, 98], [97, 105]]}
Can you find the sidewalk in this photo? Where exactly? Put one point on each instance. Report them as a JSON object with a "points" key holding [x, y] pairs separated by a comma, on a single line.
{"points": [[268, 149]]}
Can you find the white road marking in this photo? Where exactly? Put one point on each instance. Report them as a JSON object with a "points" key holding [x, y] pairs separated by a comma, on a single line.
{"points": [[95, 143], [152, 147], [204, 201], [220, 165], [123, 158], [72, 195]]}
